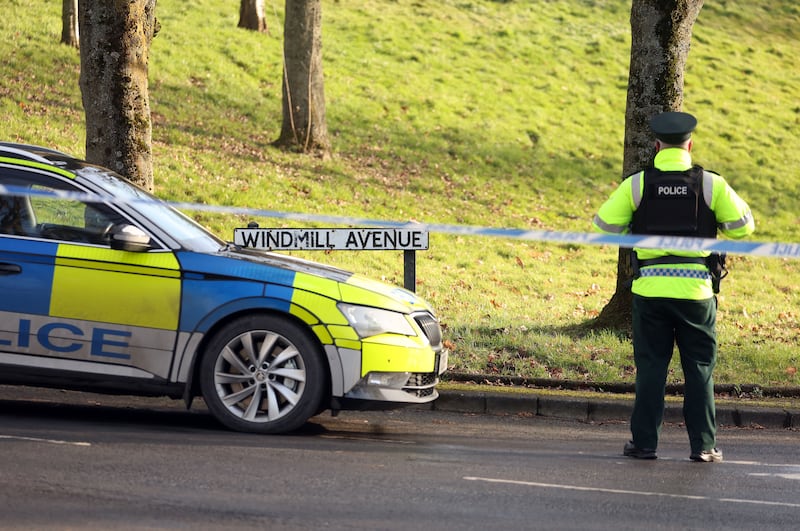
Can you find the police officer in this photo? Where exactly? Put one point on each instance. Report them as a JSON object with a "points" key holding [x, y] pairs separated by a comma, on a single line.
{"points": [[674, 299]]}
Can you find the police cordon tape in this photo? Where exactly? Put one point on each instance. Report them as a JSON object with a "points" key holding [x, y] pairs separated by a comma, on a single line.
{"points": [[672, 243]]}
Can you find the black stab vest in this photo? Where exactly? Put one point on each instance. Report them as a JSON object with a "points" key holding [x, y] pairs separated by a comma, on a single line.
{"points": [[672, 205]]}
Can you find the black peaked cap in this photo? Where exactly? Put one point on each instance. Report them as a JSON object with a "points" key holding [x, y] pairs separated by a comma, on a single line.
{"points": [[673, 127]]}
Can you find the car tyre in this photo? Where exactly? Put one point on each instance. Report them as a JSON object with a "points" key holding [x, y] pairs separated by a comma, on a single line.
{"points": [[262, 374]]}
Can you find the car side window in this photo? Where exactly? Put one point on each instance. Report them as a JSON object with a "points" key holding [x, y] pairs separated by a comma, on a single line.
{"points": [[35, 210], [55, 211], [71, 220]]}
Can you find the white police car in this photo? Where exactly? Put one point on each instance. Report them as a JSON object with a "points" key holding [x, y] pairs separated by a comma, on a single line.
{"points": [[105, 288]]}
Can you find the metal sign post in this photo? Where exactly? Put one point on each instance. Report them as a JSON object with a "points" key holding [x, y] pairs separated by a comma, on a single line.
{"points": [[410, 270]]}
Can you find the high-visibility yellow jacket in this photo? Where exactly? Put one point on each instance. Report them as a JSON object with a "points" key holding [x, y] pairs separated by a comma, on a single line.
{"points": [[675, 281]]}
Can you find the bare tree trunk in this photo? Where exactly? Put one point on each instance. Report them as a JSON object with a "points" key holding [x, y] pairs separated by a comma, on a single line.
{"points": [[251, 15], [304, 127], [661, 33], [115, 52], [69, 23]]}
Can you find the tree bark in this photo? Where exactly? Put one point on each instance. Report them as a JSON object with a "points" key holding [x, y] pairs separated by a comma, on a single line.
{"points": [[661, 34], [251, 15], [115, 52], [69, 23], [304, 126]]}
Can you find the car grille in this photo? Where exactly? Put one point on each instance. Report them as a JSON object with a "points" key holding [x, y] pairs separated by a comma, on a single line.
{"points": [[421, 384], [430, 327]]}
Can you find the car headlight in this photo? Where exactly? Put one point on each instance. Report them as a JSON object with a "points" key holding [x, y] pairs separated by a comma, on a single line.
{"points": [[367, 321]]}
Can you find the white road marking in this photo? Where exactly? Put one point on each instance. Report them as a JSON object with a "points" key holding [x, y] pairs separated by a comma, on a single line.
{"points": [[726, 462], [795, 477], [757, 463], [627, 492], [48, 441]]}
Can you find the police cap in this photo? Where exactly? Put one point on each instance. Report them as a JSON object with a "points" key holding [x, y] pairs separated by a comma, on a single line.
{"points": [[673, 127]]}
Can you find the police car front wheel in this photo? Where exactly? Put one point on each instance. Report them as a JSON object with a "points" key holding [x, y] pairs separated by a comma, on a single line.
{"points": [[262, 374]]}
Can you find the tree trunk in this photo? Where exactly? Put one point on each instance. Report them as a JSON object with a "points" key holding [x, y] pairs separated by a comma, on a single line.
{"points": [[304, 128], [115, 51], [661, 33], [251, 15], [616, 314], [69, 23]]}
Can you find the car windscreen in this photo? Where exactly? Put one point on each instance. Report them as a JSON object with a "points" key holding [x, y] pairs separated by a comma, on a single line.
{"points": [[177, 225]]}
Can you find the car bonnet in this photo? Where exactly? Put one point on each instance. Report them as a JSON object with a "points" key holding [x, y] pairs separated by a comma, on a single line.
{"points": [[331, 281]]}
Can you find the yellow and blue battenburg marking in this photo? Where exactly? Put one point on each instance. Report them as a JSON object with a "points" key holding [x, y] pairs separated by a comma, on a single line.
{"points": [[86, 303], [32, 289], [101, 279], [91, 303]]}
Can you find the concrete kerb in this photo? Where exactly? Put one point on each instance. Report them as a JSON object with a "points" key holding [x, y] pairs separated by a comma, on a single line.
{"points": [[598, 409]]}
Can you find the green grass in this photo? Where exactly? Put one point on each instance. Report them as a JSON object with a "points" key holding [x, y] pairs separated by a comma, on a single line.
{"points": [[505, 114]]}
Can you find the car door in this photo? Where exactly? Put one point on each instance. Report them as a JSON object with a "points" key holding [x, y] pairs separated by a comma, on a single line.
{"points": [[72, 303]]}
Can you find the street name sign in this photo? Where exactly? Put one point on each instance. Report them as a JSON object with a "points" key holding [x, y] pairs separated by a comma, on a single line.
{"points": [[382, 239]]}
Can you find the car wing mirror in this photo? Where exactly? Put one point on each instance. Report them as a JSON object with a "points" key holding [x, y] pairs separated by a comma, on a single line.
{"points": [[126, 237]]}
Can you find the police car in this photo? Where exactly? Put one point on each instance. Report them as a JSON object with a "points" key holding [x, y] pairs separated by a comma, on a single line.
{"points": [[105, 288]]}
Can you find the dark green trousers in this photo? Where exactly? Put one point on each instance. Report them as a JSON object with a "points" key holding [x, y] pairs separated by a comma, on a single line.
{"points": [[658, 325]]}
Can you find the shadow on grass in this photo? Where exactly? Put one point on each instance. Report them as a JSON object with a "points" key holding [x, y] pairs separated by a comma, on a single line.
{"points": [[576, 332]]}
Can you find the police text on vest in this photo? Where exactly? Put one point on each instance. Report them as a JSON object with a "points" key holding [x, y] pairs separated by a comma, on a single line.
{"points": [[673, 190]]}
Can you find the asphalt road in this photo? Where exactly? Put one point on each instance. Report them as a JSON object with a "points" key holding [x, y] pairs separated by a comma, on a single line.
{"points": [[82, 461]]}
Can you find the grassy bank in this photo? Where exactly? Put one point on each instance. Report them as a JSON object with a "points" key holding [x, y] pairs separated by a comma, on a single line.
{"points": [[504, 114]]}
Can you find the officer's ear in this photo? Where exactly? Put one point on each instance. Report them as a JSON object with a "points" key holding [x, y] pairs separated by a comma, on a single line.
{"points": [[659, 145], [689, 145]]}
